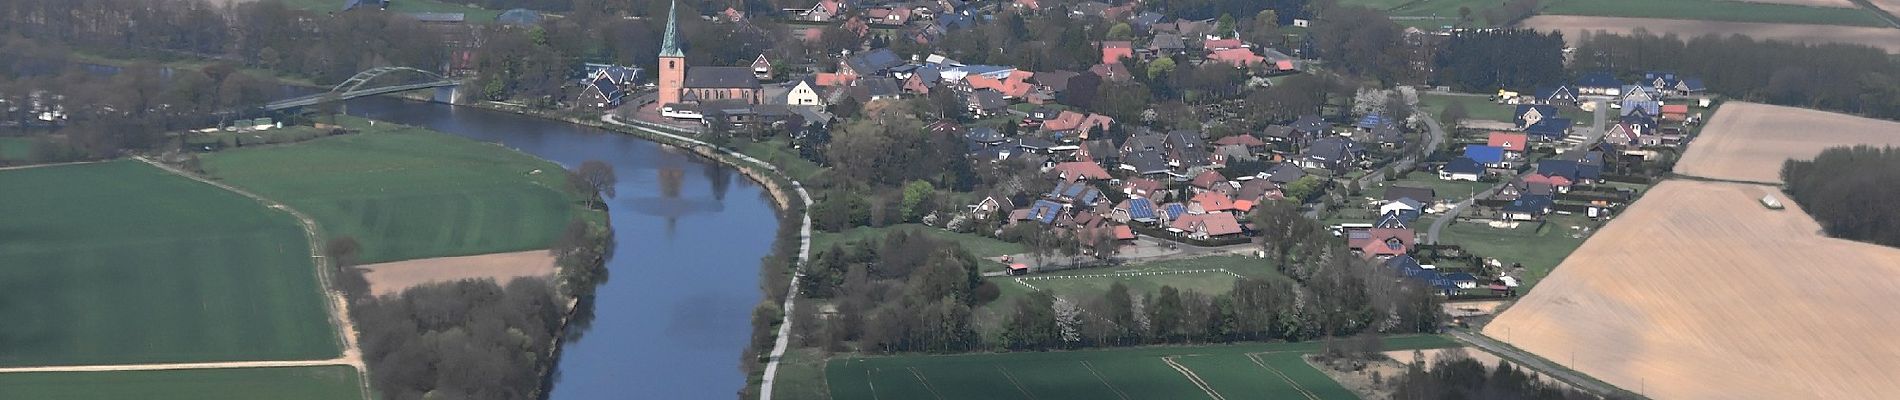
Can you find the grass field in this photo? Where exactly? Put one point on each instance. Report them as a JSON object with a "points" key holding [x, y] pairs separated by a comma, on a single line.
{"points": [[1539, 249], [1143, 277], [306, 383], [1715, 10], [120, 262], [1446, 189], [474, 14], [15, 149], [408, 193], [977, 245], [1246, 371]]}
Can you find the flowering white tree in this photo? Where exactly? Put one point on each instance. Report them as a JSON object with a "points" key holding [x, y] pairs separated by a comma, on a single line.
{"points": [[1068, 319]]}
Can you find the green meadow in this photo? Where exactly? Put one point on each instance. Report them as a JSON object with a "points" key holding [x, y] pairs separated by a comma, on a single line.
{"points": [[297, 383]]}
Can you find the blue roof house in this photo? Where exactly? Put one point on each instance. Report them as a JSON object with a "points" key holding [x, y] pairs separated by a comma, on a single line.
{"points": [[1487, 155]]}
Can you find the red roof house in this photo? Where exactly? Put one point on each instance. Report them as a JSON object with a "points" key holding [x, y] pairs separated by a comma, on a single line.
{"points": [[1075, 170], [1221, 44], [1210, 202], [1114, 51], [1238, 57]]}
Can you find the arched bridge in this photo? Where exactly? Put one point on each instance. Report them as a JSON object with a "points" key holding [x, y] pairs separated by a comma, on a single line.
{"points": [[353, 88]]}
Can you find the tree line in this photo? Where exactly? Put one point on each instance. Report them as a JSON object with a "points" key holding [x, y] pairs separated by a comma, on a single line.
{"points": [[1849, 191], [1850, 78], [1486, 60], [1455, 376]]}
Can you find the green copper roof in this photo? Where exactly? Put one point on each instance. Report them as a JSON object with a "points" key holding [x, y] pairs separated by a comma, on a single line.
{"points": [[670, 45]]}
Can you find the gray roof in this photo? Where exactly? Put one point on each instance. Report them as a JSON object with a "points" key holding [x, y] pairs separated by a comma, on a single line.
{"points": [[874, 61], [1057, 80], [721, 77], [1285, 173], [987, 99], [1167, 41], [1146, 162], [1311, 124], [1278, 131], [1422, 195]]}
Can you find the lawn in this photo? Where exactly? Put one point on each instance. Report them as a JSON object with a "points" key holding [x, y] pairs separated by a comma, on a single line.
{"points": [[801, 375], [16, 150], [1446, 189], [474, 14], [777, 153], [1715, 10], [1477, 107], [408, 193], [1539, 249], [120, 262], [1146, 277], [1258, 370], [301, 383], [979, 246]]}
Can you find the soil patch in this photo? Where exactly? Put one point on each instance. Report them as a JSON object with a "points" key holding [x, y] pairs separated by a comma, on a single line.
{"points": [[1574, 26], [1748, 141], [393, 277], [1700, 292]]}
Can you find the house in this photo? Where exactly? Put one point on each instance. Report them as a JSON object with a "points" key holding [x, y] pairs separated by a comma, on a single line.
{"points": [[1417, 194], [1102, 152], [1239, 57], [1559, 95], [1280, 62], [1388, 135], [1690, 87], [1531, 114], [1675, 112], [1209, 180], [990, 205], [1056, 81], [1383, 243], [1639, 93], [889, 16], [985, 136], [1114, 51], [1210, 202], [1166, 44], [762, 68], [1645, 107], [1148, 163], [1489, 156], [1080, 170], [1079, 193], [1312, 126], [804, 93], [1406, 209], [602, 92], [1284, 137], [1389, 221], [1541, 183], [824, 10], [1284, 173], [1576, 172], [1514, 144], [1549, 129], [1111, 72], [1334, 153], [1044, 211], [1135, 209], [1221, 44], [1660, 80], [1258, 190], [874, 88], [1248, 141], [1461, 169], [1462, 280], [1206, 226], [1623, 134], [870, 63], [1527, 208], [984, 103], [1142, 187], [1599, 84]]}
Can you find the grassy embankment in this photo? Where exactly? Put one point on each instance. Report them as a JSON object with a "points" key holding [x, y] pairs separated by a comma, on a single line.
{"points": [[1271, 370], [302, 383], [120, 262], [408, 193]]}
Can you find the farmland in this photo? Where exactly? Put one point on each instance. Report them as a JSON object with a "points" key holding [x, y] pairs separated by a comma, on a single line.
{"points": [[1697, 291], [120, 262], [394, 277], [474, 14], [302, 383], [1748, 141], [1225, 371], [1573, 28], [407, 193], [1715, 10]]}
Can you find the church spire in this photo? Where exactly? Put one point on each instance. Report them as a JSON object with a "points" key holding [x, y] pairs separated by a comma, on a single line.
{"points": [[670, 44]]}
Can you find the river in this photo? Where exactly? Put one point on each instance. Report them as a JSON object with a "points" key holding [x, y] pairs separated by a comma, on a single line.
{"points": [[675, 314]]}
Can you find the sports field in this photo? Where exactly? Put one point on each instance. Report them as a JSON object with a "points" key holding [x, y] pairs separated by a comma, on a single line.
{"points": [[407, 193], [1246, 371], [120, 262], [301, 383]]}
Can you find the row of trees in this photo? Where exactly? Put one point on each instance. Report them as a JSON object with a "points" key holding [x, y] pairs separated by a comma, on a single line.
{"points": [[1456, 376], [1838, 77], [903, 292], [1487, 60], [1849, 191]]}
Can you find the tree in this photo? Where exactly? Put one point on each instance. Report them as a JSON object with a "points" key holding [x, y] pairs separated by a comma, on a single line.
{"points": [[1304, 188], [1160, 68], [594, 179], [916, 193], [1453, 114], [1120, 31]]}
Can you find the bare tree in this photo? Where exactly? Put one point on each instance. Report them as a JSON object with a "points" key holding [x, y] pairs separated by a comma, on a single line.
{"points": [[594, 177]]}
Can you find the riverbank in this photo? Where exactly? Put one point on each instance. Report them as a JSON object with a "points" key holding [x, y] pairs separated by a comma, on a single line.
{"points": [[791, 248]]}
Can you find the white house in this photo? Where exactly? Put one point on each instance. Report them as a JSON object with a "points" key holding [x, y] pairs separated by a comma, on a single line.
{"points": [[802, 94]]}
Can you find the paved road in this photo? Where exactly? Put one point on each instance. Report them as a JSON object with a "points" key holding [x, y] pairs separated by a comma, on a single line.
{"points": [[1590, 137], [1545, 367], [1434, 135]]}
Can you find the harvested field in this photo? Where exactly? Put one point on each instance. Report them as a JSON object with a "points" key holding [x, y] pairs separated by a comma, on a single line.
{"points": [[1700, 292], [1748, 141], [393, 277], [1890, 6], [1574, 26]]}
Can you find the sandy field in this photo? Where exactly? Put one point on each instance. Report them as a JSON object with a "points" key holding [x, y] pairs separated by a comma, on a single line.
{"points": [[1890, 6], [1699, 292], [393, 277], [1748, 141], [1573, 26]]}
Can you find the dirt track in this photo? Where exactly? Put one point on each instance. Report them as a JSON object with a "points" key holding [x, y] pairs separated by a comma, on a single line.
{"points": [[1574, 26], [1748, 141], [1699, 292], [393, 277]]}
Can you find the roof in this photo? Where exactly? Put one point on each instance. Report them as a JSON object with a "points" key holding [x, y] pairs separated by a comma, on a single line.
{"points": [[1114, 51], [670, 43], [1244, 140], [1111, 72], [1311, 124], [1238, 56], [1389, 220], [1138, 208], [721, 77], [1057, 80], [1421, 195], [1207, 179], [1081, 170], [987, 99], [1463, 165], [874, 61], [1484, 154], [1174, 210], [1675, 109], [986, 135], [1543, 110], [1508, 141], [1220, 224], [1256, 189], [1277, 131], [1285, 173], [1549, 127], [1167, 41], [1332, 148], [1212, 201], [1045, 211], [1530, 203], [1218, 44], [1599, 79]]}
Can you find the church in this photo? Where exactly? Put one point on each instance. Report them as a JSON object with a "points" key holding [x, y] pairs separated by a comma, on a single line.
{"points": [[682, 88]]}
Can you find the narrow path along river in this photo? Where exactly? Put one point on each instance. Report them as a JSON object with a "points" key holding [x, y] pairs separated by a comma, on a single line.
{"points": [[675, 314]]}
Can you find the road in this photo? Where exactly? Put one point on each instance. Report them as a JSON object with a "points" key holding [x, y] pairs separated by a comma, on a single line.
{"points": [[1434, 136], [1527, 360], [1590, 137]]}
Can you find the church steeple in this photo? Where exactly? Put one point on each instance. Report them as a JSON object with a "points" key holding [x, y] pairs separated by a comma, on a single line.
{"points": [[670, 44]]}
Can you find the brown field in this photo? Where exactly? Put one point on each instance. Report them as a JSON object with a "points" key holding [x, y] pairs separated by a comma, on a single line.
{"points": [[393, 277], [1574, 26], [1748, 141], [1890, 6], [1699, 292]]}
